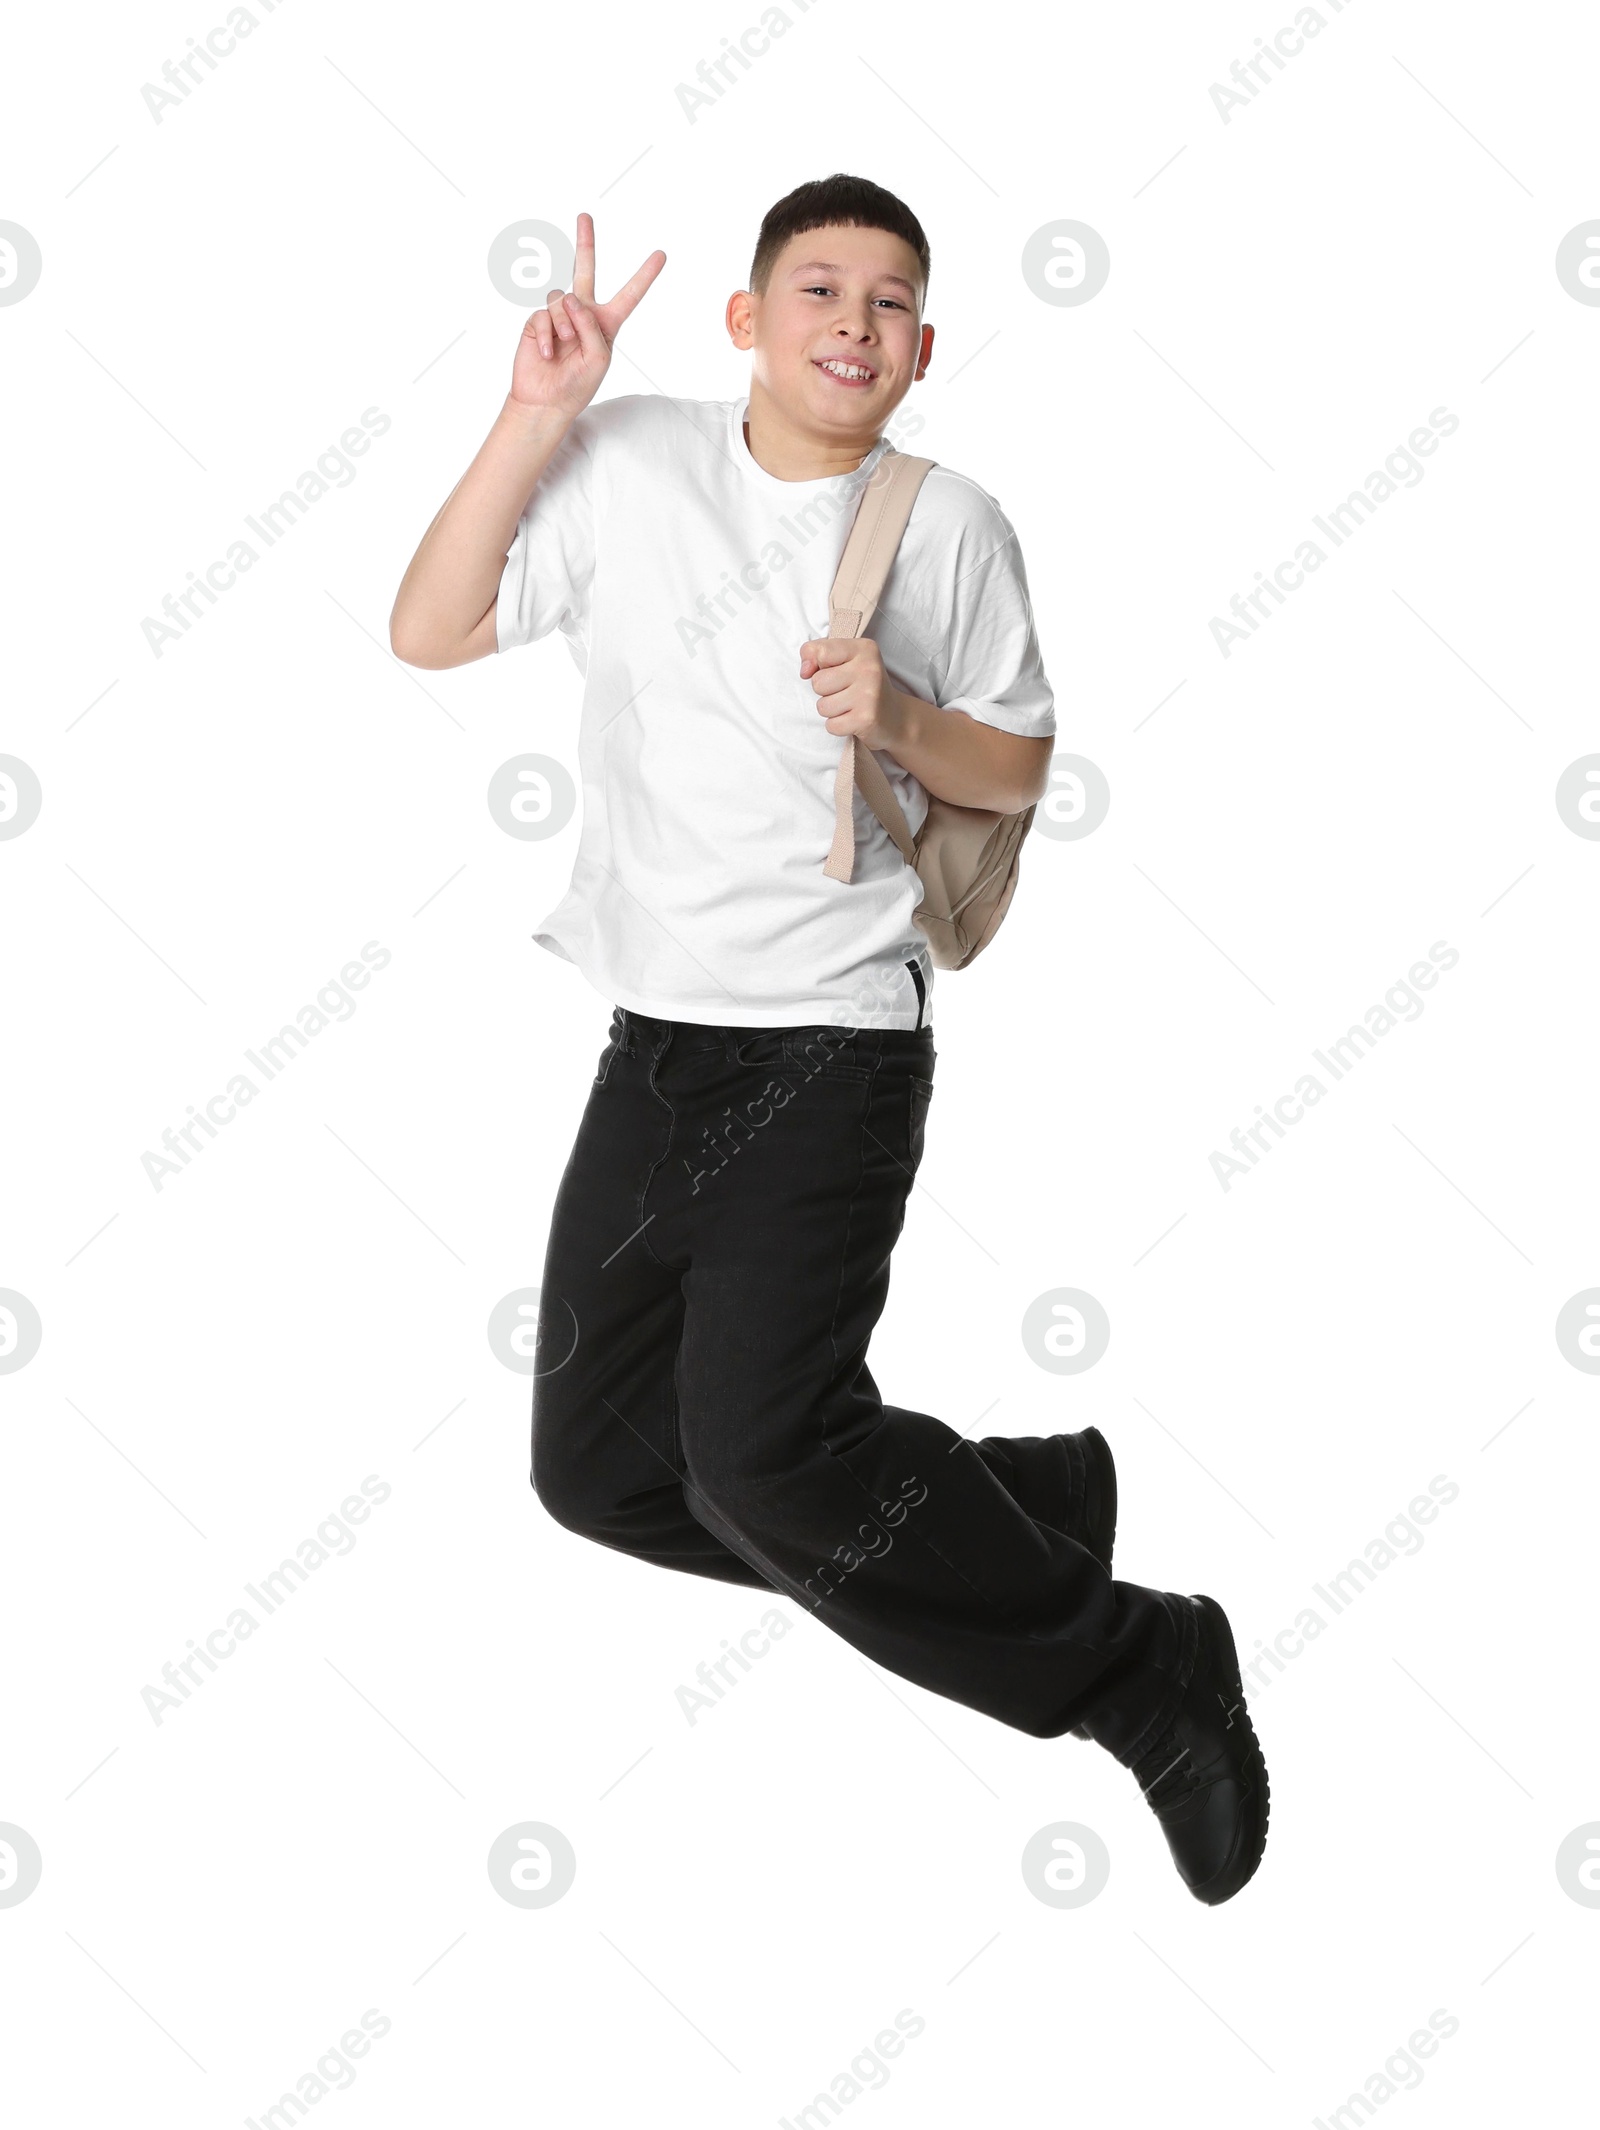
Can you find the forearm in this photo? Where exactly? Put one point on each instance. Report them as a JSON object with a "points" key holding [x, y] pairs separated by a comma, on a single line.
{"points": [[954, 757], [444, 611]]}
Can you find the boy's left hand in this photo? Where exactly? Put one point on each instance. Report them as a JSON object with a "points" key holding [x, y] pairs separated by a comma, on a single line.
{"points": [[854, 693]]}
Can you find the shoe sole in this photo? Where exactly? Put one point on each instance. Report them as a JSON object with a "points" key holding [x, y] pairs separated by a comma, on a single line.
{"points": [[1108, 1501], [1255, 1765]]}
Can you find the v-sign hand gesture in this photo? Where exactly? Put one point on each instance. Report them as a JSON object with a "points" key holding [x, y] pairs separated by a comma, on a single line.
{"points": [[565, 349]]}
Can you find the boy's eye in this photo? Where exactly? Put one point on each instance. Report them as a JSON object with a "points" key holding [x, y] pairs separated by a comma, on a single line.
{"points": [[820, 288]]}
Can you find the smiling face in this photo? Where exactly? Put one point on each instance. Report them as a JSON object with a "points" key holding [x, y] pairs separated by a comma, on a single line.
{"points": [[837, 337]]}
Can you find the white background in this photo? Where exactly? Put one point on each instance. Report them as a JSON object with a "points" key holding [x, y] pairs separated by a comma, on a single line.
{"points": [[1292, 1360]]}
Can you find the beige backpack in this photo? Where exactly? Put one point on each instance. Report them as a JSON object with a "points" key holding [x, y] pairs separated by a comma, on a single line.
{"points": [[965, 857]]}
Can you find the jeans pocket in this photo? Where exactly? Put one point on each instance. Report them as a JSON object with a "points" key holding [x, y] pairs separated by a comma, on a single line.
{"points": [[759, 1046], [825, 1052]]}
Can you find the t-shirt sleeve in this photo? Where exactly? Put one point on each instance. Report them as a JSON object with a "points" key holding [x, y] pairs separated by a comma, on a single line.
{"points": [[549, 568], [995, 673]]}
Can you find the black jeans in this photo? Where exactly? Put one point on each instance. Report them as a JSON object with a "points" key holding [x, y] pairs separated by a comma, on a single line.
{"points": [[718, 1257]]}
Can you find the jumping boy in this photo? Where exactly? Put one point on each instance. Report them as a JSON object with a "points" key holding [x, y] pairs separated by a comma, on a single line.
{"points": [[719, 1247]]}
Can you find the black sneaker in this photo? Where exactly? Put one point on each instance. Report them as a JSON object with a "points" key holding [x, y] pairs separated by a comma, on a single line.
{"points": [[1204, 1777], [1066, 1481], [1098, 1527]]}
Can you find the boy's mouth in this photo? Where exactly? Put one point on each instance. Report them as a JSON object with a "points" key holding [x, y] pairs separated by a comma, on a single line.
{"points": [[845, 370]]}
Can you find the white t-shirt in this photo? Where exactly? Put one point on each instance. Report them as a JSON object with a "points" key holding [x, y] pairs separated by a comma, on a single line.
{"points": [[685, 578]]}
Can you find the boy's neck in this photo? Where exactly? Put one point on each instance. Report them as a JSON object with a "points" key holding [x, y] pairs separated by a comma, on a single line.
{"points": [[789, 452]]}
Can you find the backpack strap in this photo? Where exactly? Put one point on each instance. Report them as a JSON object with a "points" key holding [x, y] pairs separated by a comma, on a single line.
{"points": [[869, 552]]}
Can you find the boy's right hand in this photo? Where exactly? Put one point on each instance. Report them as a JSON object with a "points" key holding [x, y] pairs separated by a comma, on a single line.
{"points": [[565, 349]]}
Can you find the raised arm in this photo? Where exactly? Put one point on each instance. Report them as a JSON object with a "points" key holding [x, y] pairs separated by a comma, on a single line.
{"points": [[444, 611]]}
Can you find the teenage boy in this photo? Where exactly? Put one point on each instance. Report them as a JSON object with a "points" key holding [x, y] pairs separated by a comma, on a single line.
{"points": [[719, 1247]]}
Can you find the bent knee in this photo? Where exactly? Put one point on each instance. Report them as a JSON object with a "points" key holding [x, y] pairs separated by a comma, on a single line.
{"points": [[572, 1490]]}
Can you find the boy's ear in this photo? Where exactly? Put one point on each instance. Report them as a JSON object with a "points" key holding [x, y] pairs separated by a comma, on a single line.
{"points": [[924, 355], [740, 318]]}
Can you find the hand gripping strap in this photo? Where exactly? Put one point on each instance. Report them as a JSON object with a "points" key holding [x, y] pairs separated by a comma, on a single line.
{"points": [[869, 552]]}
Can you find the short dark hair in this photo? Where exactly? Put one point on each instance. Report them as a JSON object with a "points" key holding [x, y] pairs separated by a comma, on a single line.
{"points": [[834, 202]]}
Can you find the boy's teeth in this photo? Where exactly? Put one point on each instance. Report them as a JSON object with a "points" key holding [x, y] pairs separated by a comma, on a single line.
{"points": [[846, 369]]}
